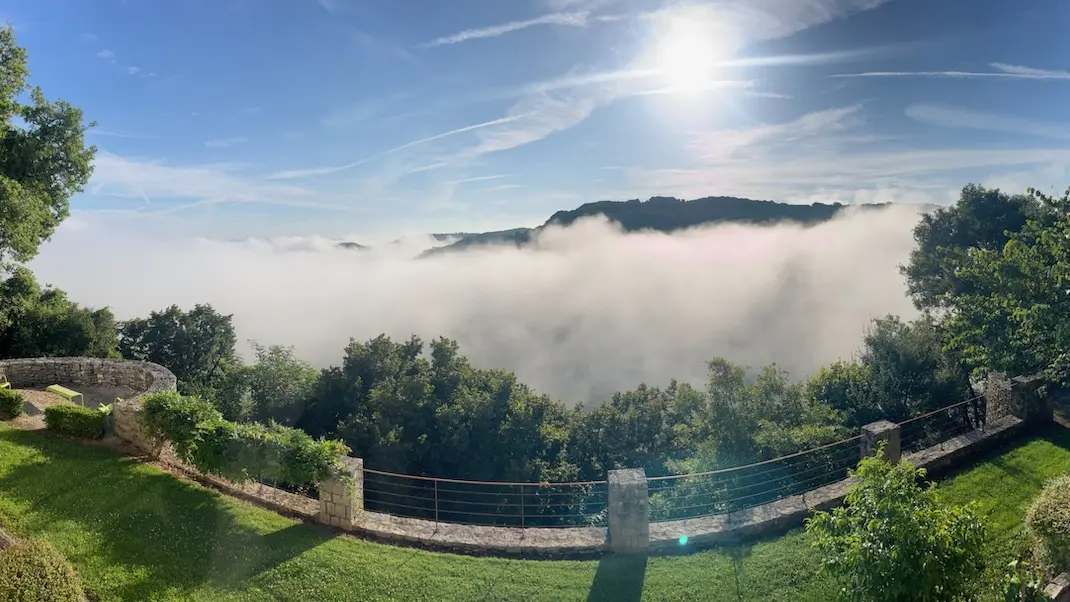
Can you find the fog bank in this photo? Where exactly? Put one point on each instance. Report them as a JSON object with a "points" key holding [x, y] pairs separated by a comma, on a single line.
{"points": [[592, 311]]}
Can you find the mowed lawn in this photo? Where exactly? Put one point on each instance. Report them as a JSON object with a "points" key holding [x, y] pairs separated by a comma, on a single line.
{"points": [[135, 533]]}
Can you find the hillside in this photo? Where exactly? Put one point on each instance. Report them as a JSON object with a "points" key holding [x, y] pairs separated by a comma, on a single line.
{"points": [[664, 214]]}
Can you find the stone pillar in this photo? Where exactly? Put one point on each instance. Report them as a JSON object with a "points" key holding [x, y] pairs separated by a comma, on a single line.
{"points": [[1019, 396], [340, 501], [888, 432], [629, 522]]}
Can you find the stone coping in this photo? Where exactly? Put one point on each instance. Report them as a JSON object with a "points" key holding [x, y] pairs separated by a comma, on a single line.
{"points": [[479, 539], [1059, 588]]}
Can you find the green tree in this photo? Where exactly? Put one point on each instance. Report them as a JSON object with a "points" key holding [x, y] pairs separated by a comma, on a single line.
{"points": [[38, 322], [1014, 315], [43, 157], [981, 219], [197, 345], [280, 385], [893, 540]]}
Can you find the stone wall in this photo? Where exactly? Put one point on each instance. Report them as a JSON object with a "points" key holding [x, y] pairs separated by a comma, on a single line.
{"points": [[142, 377]]}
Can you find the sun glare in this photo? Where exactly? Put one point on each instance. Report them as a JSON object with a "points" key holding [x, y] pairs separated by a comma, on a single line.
{"points": [[687, 52]]}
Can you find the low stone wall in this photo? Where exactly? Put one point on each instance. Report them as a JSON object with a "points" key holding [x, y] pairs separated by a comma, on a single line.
{"points": [[142, 377], [1059, 588]]}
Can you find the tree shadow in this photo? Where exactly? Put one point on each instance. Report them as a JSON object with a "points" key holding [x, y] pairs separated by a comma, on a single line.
{"points": [[171, 534], [619, 578]]}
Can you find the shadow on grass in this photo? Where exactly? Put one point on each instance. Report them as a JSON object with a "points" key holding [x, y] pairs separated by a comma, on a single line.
{"points": [[171, 534], [1054, 434], [619, 578]]}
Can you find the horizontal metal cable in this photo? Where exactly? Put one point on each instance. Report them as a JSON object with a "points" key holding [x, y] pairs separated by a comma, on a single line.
{"points": [[762, 463], [488, 483]]}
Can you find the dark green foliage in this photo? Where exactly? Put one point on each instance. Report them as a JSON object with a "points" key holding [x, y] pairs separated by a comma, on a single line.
{"points": [[1013, 313], [43, 157], [1048, 521], [33, 571], [75, 421], [40, 322], [197, 346], [982, 219], [11, 403], [239, 452], [893, 541]]}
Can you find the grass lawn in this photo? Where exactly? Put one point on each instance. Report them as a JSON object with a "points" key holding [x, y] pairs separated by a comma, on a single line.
{"points": [[135, 533]]}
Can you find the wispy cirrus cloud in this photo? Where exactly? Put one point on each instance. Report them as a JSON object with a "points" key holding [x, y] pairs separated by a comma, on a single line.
{"points": [[1001, 71], [958, 117], [569, 19], [106, 54], [225, 142], [321, 171]]}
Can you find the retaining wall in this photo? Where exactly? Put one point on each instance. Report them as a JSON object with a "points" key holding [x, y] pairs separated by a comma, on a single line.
{"points": [[141, 377]]}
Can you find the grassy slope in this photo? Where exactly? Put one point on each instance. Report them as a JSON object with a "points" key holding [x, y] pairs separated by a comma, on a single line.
{"points": [[138, 534]]}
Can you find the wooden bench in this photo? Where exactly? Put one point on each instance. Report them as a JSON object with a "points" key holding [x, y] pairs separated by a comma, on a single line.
{"points": [[66, 393]]}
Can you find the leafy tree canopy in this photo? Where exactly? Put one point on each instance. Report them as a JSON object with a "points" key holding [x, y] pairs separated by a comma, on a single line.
{"points": [[43, 157]]}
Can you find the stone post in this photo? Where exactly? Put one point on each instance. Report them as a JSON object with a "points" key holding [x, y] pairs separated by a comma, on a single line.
{"points": [[882, 430], [341, 501], [1019, 396], [629, 522]]}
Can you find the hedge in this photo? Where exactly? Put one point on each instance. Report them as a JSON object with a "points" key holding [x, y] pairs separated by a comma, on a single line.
{"points": [[75, 421], [1048, 520], [240, 452], [33, 571], [11, 403]]}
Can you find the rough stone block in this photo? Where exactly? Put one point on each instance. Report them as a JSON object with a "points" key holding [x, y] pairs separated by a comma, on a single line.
{"points": [[629, 521], [882, 431]]}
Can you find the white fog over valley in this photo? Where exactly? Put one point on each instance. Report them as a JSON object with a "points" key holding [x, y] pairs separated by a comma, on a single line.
{"points": [[591, 312]]}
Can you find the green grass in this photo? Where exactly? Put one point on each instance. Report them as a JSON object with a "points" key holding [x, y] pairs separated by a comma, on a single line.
{"points": [[135, 533]]}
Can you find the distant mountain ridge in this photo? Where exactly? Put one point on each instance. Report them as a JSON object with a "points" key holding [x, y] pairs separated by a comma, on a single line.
{"points": [[663, 214]]}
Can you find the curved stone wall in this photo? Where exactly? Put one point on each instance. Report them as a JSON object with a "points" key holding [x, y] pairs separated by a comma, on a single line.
{"points": [[140, 377]]}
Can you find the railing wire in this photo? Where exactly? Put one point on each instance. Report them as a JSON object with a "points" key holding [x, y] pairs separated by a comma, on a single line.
{"points": [[503, 504]]}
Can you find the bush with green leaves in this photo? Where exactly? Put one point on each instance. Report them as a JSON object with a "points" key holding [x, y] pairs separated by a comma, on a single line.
{"points": [[75, 421], [11, 403], [239, 452], [894, 541], [1048, 520], [33, 571]]}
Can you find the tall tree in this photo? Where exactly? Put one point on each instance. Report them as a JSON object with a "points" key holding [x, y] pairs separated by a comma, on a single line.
{"points": [[43, 157], [197, 346], [982, 218], [1015, 314]]}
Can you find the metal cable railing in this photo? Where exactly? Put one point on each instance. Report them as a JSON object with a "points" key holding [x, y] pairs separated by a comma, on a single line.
{"points": [[936, 427], [491, 503], [726, 490]]}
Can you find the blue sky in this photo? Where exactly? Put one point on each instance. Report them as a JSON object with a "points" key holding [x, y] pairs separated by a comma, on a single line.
{"points": [[373, 117]]}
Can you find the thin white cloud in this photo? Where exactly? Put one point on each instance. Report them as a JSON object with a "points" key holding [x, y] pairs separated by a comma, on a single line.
{"points": [[320, 171], [1020, 70], [1004, 72], [151, 181], [570, 19], [225, 142], [957, 117], [88, 37], [106, 54], [133, 70], [482, 178]]}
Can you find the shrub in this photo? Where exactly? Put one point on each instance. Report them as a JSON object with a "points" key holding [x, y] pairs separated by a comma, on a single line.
{"points": [[893, 541], [1048, 520], [11, 403], [33, 571], [239, 452], [75, 421]]}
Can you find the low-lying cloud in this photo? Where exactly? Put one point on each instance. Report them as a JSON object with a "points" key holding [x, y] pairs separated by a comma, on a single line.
{"points": [[590, 312]]}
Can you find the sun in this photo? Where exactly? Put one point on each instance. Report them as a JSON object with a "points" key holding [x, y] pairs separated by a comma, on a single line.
{"points": [[687, 52]]}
